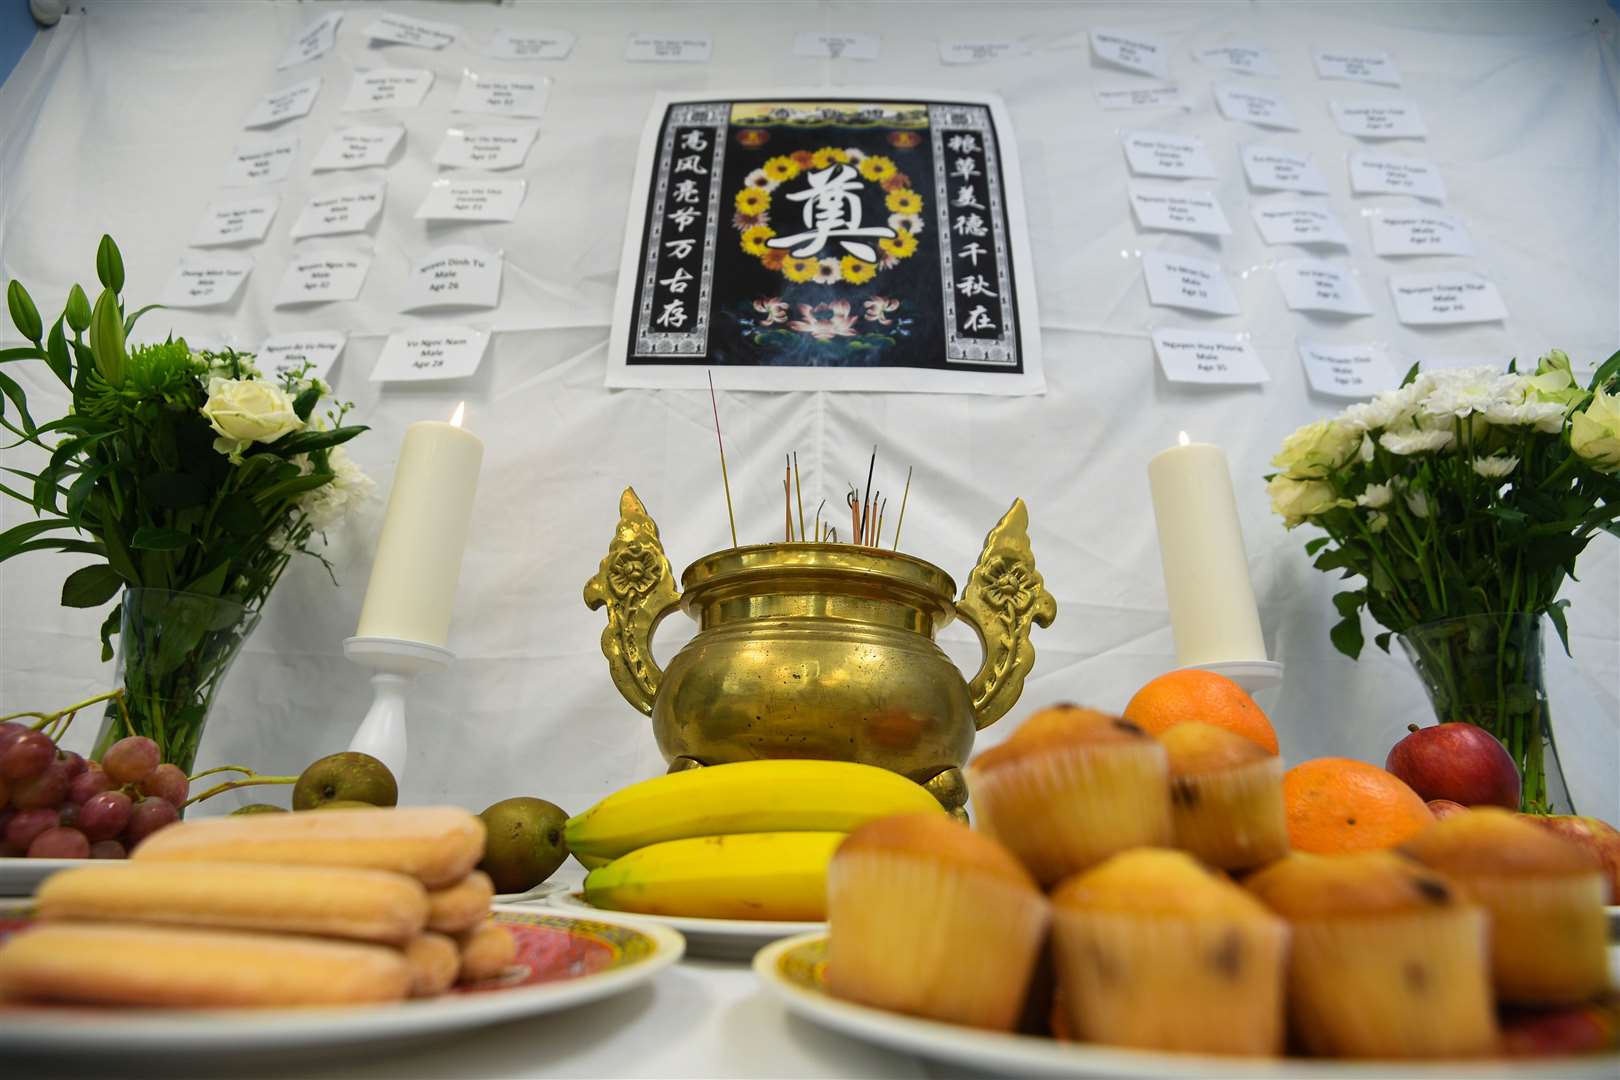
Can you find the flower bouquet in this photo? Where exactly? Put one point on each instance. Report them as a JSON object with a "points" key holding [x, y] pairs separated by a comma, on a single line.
{"points": [[189, 478], [1461, 501]]}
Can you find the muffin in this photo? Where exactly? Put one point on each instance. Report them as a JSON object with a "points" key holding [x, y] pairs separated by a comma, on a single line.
{"points": [[1386, 960], [930, 918], [1226, 799], [1544, 894], [1071, 787], [1155, 951]]}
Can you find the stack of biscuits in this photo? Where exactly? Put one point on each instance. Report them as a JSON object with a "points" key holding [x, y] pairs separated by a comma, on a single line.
{"points": [[336, 907]]}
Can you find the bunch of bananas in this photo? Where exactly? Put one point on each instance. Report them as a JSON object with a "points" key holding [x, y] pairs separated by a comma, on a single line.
{"points": [[749, 840]]}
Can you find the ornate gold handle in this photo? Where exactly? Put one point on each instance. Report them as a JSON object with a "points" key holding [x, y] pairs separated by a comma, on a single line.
{"points": [[1003, 596], [638, 587]]}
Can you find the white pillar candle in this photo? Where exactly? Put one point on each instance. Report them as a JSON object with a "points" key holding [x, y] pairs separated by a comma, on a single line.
{"points": [[1213, 615], [424, 533]]}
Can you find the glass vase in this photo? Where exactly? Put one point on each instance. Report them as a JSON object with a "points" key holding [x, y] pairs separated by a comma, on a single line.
{"points": [[174, 649], [1487, 670]]}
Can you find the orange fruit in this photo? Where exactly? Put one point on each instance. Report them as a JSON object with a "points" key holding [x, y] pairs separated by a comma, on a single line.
{"points": [[1180, 697], [1335, 804]]}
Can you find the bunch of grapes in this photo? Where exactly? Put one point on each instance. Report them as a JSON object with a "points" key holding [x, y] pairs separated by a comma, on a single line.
{"points": [[56, 805]]}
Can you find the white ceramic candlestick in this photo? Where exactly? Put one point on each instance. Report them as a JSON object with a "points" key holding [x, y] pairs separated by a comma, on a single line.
{"points": [[395, 664], [1213, 615]]}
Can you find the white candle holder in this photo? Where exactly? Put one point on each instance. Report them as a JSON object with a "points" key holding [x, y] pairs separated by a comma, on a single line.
{"points": [[395, 663], [1254, 676]]}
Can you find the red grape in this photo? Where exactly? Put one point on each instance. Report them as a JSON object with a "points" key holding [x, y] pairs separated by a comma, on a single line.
{"points": [[5, 791], [149, 815], [75, 763], [130, 760], [167, 782], [108, 849], [28, 824], [27, 756], [93, 781], [103, 816], [68, 813], [10, 730], [59, 843], [47, 789]]}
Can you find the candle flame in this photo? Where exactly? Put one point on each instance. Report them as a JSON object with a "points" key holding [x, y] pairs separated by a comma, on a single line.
{"points": [[461, 414], [1182, 437]]}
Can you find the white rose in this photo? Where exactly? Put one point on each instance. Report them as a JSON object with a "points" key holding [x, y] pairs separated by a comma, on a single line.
{"points": [[1495, 468], [1316, 449], [1296, 500], [1375, 496], [246, 411], [1594, 432], [1416, 441]]}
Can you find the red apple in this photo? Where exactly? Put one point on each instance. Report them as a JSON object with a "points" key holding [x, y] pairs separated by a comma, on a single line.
{"points": [[1459, 762], [1444, 808], [1598, 837], [1582, 1029]]}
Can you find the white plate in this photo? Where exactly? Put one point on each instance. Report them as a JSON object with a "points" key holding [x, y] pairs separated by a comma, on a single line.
{"points": [[786, 969], [20, 877], [534, 895], [719, 939], [639, 951]]}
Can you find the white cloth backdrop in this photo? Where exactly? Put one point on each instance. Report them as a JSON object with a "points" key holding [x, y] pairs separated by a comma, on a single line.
{"points": [[122, 119]]}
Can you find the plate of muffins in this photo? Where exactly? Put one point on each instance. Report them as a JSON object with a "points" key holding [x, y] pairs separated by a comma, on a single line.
{"points": [[1128, 905]]}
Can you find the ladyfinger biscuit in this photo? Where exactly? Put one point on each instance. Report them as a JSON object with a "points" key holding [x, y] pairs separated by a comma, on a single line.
{"points": [[372, 905], [437, 845], [460, 906], [160, 967], [434, 960], [486, 951]]}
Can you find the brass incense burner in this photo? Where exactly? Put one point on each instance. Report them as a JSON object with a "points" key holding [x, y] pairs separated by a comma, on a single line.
{"points": [[820, 650]]}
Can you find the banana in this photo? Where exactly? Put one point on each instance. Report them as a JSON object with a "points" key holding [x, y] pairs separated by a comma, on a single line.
{"points": [[778, 876], [745, 797]]}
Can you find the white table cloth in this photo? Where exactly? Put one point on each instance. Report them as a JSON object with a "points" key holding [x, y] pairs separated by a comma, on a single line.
{"points": [[122, 120]]}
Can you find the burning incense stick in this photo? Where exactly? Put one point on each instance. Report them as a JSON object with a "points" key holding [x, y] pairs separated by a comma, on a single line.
{"points": [[724, 479], [902, 519], [854, 501]]}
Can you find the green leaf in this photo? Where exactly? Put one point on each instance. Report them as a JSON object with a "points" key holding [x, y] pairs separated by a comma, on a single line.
{"points": [[56, 355], [1346, 635], [211, 583], [109, 627], [90, 586], [1406, 380], [1348, 604], [306, 441], [175, 490], [118, 556], [1555, 612], [1313, 546], [110, 265], [238, 515], [286, 489], [24, 315], [1606, 371], [18, 534], [25, 352], [129, 323], [77, 312], [62, 543], [1382, 640], [154, 538], [81, 490], [10, 388], [107, 338], [305, 403]]}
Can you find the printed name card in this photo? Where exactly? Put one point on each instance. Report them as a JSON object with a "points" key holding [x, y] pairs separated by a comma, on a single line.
{"points": [[502, 95], [1389, 175], [205, 280], [533, 45], [1445, 298], [404, 30], [1156, 153], [1161, 206], [288, 103], [1208, 356], [979, 50], [1424, 232], [492, 147], [1270, 168], [284, 354], [315, 40], [1346, 371], [1298, 223], [322, 276], [472, 200], [1313, 285], [388, 88], [261, 162], [432, 352], [1371, 67], [1378, 119], [454, 276], [1254, 107], [1133, 52], [1243, 59], [359, 147], [1186, 281], [235, 221], [834, 46], [669, 48], [340, 210], [1145, 97]]}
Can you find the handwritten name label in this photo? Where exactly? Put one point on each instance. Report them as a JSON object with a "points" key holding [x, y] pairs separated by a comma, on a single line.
{"points": [[1271, 168], [1133, 52], [1298, 223], [288, 103], [285, 354], [502, 96], [1254, 107], [1370, 67], [1159, 206], [432, 352], [456, 275], [1145, 97], [1445, 298], [388, 88], [1390, 175], [358, 147], [1428, 232], [404, 30], [340, 210], [1243, 59], [472, 200], [490, 147], [235, 221], [315, 40], [321, 277], [1378, 119], [534, 45], [1157, 153], [205, 280], [1314, 285], [669, 48], [1346, 371], [1208, 356], [261, 162], [1188, 282]]}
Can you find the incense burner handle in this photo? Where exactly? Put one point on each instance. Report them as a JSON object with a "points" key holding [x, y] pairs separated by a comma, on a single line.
{"points": [[637, 586], [1003, 597]]}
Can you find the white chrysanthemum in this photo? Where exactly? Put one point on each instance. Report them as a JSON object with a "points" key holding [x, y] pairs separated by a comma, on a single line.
{"points": [[1390, 408], [1544, 416], [1418, 503], [1416, 440], [1463, 391], [758, 179], [1495, 468], [1375, 496], [331, 503]]}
